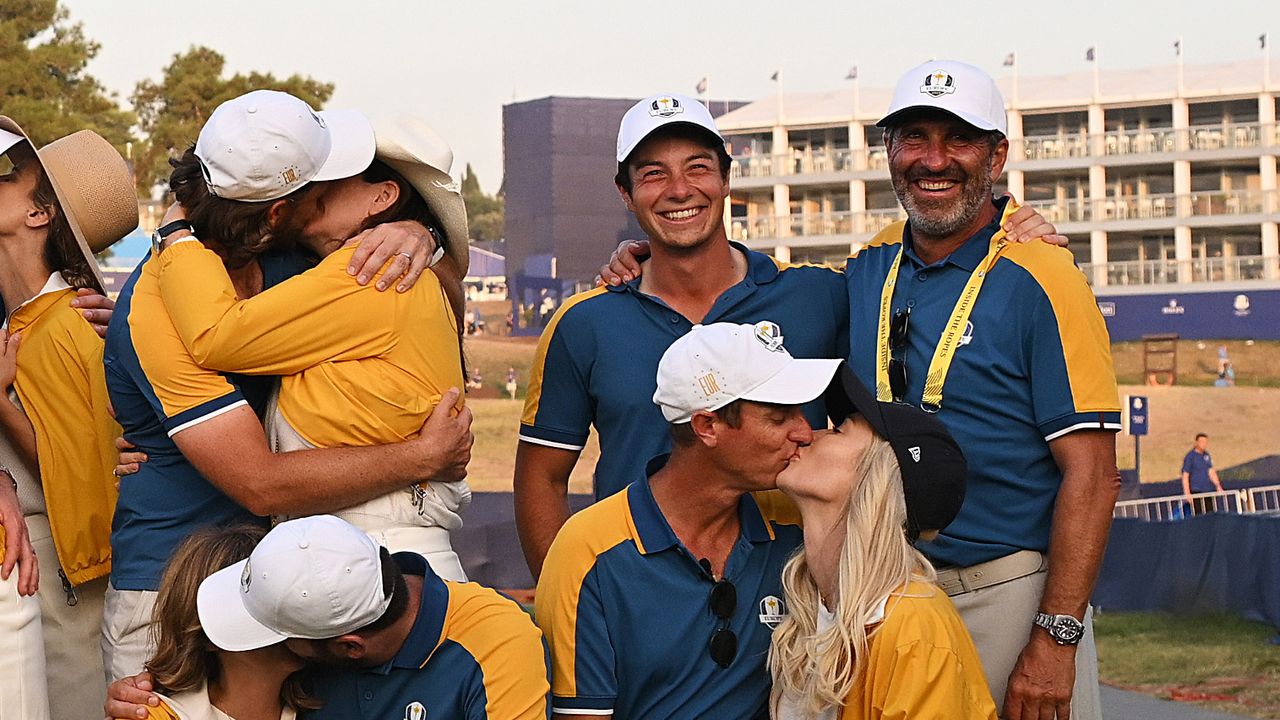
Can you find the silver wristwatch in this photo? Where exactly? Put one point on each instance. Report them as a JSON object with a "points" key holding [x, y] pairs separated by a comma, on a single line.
{"points": [[1064, 629]]}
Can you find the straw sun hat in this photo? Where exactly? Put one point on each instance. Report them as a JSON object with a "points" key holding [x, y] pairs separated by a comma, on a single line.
{"points": [[93, 185]]}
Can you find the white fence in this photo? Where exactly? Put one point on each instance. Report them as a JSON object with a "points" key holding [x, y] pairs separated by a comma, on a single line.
{"points": [[1175, 507]]}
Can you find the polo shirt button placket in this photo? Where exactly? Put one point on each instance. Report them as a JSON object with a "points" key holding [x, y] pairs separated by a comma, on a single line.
{"points": [[675, 319], [368, 696]]}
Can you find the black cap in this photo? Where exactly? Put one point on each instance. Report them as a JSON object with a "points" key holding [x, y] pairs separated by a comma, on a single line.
{"points": [[933, 467]]}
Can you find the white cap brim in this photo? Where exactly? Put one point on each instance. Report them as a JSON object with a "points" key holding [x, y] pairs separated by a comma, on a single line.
{"points": [[797, 383], [351, 145], [8, 140], [970, 118], [625, 151], [223, 616]]}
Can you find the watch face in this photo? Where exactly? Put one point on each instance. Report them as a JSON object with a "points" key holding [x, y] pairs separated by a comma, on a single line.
{"points": [[1067, 629]]}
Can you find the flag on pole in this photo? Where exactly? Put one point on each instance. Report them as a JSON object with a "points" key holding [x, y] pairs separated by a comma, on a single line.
{"points": [[1177, 47], [1009, 60], [853, 73], [702, 85], [1089, 54], [775, 74]]}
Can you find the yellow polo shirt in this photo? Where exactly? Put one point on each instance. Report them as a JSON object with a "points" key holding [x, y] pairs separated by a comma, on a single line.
{"points": [[921, 664], [359, 366]]}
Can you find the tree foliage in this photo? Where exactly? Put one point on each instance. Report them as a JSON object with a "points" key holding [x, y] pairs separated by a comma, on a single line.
{"points": [[484, 212], [42, 75], [172, 111]]}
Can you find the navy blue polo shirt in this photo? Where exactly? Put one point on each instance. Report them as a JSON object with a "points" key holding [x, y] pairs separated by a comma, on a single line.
{"points": [[1034, 363], [1197, 465], [471, 654], [157, 389], [626, 610], [597, 361]]}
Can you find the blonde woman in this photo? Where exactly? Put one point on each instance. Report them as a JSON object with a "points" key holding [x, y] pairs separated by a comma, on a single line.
{"points": [[195, 679], [868, 634]]}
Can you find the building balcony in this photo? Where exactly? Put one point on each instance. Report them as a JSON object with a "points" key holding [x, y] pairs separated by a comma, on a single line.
{"points": [[1162, 272]]}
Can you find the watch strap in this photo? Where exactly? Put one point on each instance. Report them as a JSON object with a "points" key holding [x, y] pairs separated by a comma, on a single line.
{"points": [[166, 230]]}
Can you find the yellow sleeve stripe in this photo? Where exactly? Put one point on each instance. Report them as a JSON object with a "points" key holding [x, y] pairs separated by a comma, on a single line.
{"points": [[891, 235], [508, 647], [572, 556], [534, 394], [1086, 344], [788, 265], [776, 509]]}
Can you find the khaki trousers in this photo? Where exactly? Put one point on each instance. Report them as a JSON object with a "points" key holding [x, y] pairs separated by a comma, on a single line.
{"points": [[1000, 619], [72, 633], [126, 632]]}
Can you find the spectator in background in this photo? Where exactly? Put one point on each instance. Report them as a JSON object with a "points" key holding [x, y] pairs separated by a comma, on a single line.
{"points": [[1198, 476], [511, 382]]}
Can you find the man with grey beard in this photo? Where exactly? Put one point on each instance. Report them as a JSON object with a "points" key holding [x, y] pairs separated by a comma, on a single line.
{"points": [[1006, 344]]}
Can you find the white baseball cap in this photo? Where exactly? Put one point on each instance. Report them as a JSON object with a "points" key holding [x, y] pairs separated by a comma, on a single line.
{"points": [[713, 365], [958, 88], [658, 111], [313, 578], [265, 144], [8, 140]]}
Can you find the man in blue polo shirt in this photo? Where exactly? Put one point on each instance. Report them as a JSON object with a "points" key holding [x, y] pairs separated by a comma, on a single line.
{"points": [[595, 362], [1005, 342], [660, 601], [1198, 475], [387, 638]]}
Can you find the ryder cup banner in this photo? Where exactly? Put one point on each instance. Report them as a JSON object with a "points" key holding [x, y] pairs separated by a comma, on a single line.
{"points": [[1242, 314]]}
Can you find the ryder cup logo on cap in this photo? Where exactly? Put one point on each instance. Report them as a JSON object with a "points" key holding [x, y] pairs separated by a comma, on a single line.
{"points": [[312, 578], [266, 144], [657, 111], [954, 87], [714, 365]]}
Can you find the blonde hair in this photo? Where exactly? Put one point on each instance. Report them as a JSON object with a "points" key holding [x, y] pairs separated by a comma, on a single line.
{"points": [[820, 669], [184, 658]]}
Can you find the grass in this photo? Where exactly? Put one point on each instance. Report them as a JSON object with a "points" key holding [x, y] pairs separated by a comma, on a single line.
{"points": [[1254, 362], [1216, 661]]}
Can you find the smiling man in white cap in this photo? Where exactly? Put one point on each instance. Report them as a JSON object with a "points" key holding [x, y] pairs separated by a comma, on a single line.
{"points": [[1005, 343], [257, 166], [660, 601], [673, 176]]}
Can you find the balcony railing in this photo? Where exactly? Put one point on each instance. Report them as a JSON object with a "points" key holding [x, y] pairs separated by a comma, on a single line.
{"points": [[1161, 272], [1197, 138]]}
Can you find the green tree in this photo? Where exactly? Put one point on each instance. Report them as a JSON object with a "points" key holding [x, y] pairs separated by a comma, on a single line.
{"points": [[172, 111], [42, 75], [485, 213]]}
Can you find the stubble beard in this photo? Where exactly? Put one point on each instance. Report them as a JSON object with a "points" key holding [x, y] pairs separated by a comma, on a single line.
{"points": [[943, 220]]}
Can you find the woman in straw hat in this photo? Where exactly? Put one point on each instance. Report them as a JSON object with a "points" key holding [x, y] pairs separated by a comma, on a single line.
{"points": [[359, 367], [58, 207], [867, 633]]}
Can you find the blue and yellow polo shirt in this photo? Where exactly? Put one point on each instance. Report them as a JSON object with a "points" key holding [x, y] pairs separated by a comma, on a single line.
{"points": [[472, 654], [626, 611], [1034, 364], [597, 361], [157, 390]]}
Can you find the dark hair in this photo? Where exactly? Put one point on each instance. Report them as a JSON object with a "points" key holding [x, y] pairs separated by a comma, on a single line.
{"points": [[1202, 435], [683, 131], [393, 584], [184, 658], [992, 137], [731, 414], [241, 228], [410, 205], [61, 249]]}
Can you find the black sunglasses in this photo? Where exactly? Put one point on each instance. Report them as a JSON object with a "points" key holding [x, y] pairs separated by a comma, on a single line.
{"points": [[724, 643], [899, 326]]}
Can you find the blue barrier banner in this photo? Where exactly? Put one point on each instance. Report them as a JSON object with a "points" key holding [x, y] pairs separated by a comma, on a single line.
{"points": [[1219, 315], [1208, 563]]}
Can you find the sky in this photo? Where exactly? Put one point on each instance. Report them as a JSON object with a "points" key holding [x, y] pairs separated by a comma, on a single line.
{"points": [[456, 64]]}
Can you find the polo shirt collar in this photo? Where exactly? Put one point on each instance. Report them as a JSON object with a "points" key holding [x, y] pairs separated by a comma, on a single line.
{"points": [[968, 255], [55, 283], [654, 532], [760, 270], [428, 629]]}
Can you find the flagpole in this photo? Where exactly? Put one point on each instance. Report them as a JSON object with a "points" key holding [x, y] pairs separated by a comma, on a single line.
{"points": [[1181, 49], [1015, 79], [1266, 63], [778, 76], [1097, 84]]}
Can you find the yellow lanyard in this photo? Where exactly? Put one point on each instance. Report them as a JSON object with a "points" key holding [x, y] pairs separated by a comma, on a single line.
{"points": [[945, 350]]}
